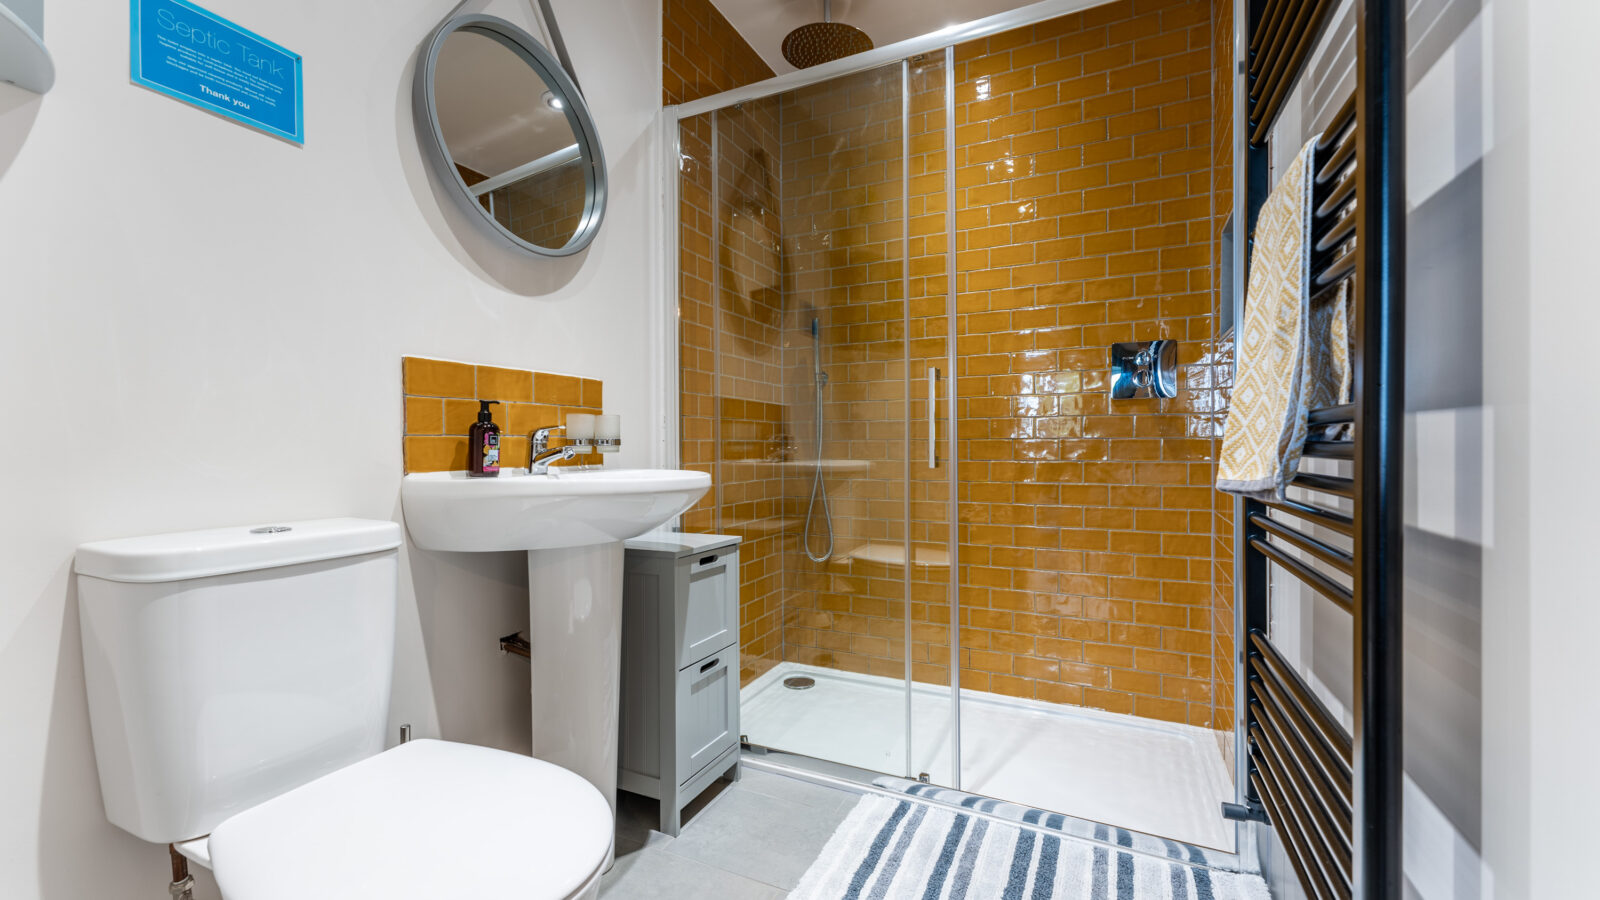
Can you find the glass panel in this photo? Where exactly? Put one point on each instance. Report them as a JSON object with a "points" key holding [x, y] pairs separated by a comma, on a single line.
{"points": [[933, 724], [844, 567], [1080, 590], [748, 404], [696, 325], [792, 334]]}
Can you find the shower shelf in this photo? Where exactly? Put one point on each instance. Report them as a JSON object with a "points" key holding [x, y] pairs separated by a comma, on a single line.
{"points": [[830, 466], [885, 553], [759, 526]]}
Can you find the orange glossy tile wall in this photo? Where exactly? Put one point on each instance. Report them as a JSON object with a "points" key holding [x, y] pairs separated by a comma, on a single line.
{"points": [[441, 403], [1084, 203], [750, 403], [1090, 542], [697, 321], [1085, 218], [702, 54]]}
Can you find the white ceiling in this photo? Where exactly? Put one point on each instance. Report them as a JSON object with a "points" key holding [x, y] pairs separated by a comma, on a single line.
{"points": [[764, 22]]}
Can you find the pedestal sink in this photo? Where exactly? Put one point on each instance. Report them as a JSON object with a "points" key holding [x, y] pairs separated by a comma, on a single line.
{"points": [[572, 525]]}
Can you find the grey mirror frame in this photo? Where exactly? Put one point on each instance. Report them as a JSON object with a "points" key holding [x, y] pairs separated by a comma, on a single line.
{"points": [[550, 69]]}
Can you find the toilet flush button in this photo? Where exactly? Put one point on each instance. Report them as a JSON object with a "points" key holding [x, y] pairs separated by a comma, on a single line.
{"points": [[271, 529]]}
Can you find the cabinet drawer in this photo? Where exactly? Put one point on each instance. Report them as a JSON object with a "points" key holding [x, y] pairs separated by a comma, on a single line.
{"points": [[710, 619], [708, 710]]}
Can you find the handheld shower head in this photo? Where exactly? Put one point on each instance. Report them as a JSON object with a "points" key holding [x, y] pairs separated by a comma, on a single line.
{"points": [[818, 376], [819, 488]]}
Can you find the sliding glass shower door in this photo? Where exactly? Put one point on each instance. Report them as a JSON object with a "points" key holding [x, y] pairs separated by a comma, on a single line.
{"points": [[814, 327]]}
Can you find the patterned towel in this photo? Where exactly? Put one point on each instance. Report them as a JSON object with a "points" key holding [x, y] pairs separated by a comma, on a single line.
{"points": [[1292, 357]]}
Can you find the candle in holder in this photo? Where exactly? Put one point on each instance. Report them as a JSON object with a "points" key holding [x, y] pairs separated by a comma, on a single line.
{"points": [[608, 428], [580, 427]]}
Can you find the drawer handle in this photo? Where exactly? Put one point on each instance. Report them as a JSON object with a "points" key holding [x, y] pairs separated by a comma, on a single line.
{"points": [[709, 665], [708, 560]]}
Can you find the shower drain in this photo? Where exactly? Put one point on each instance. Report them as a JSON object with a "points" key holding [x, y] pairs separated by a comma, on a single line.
{"points": [[799, 682]]}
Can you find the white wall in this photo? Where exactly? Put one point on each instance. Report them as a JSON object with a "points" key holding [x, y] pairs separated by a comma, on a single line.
{"points": [[203, 327], [1543, 610], [1507, 751]]}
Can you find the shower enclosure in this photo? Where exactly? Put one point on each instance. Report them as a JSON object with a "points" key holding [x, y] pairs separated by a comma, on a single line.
{"points": [[899, 277]]}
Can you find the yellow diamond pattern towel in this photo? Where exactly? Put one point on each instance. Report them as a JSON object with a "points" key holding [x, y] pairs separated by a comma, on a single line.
{"points": [[1291, 358]]}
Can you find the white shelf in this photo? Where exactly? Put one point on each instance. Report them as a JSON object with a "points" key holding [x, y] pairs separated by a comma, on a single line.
{"points": [[885, 553], [24, 61]]}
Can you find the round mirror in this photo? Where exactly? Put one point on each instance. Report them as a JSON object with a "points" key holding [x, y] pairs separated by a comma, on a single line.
{"points": [[509, 129]]}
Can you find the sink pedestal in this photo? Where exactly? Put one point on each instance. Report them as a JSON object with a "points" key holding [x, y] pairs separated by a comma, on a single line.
{"points": [[575, 638], [572, 525]]}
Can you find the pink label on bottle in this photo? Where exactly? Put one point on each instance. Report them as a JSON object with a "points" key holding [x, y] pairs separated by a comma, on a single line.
{"points": [[491, 452]]}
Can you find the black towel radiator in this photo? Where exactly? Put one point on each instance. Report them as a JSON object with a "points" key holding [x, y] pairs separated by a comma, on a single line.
{"points": [[1333, 796]]}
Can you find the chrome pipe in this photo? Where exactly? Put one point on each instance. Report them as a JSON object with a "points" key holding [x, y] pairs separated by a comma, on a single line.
{"points": [[182, 886]]}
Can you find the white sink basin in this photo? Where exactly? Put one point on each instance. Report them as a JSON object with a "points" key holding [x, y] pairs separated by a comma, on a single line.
{"points": [[517, 511], [571, 525]]}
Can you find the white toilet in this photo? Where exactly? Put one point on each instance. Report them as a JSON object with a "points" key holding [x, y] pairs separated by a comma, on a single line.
{"points": [[238, 686]]}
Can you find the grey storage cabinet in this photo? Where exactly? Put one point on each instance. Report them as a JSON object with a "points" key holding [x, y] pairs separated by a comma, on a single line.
{"points": [[680, 668]]}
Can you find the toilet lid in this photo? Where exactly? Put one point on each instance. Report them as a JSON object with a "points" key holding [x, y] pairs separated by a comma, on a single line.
{"points": [[426, 819]]}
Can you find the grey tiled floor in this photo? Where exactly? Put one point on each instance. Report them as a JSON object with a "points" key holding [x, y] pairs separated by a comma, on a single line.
{"points": [[745, 840]]}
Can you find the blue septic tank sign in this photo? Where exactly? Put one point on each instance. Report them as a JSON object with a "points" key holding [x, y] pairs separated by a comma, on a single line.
{"points": [[201, 58]]}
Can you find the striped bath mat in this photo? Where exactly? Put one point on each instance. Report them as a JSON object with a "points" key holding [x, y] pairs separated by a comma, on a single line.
{"points": [[1056, 822], [893, 849]]}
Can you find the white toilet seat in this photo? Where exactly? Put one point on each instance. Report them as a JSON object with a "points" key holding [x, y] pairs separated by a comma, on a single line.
{"points": [[426, 819]]}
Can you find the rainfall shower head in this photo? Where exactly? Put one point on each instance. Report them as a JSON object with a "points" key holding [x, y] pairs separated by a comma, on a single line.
{"points": [[825, 41]]}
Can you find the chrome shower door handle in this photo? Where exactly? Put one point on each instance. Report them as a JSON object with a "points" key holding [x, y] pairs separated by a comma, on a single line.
{"points": [[933, 417]]}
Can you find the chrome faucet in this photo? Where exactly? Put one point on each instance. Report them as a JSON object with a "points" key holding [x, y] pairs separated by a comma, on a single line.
{"points": [[541, 454]]}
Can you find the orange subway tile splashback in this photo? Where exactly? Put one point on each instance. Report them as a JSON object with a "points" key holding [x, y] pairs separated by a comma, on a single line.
{"points": [[441, 404]]}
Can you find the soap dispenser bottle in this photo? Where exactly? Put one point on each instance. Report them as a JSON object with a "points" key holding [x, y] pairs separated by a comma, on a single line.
{"points": [[483, 443]]}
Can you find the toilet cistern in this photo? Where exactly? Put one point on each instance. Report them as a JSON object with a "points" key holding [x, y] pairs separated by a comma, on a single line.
{"points": [[238, 683]]}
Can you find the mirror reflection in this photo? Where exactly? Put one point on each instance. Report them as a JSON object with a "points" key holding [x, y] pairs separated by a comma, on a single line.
{"points": [[511, 136]]}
